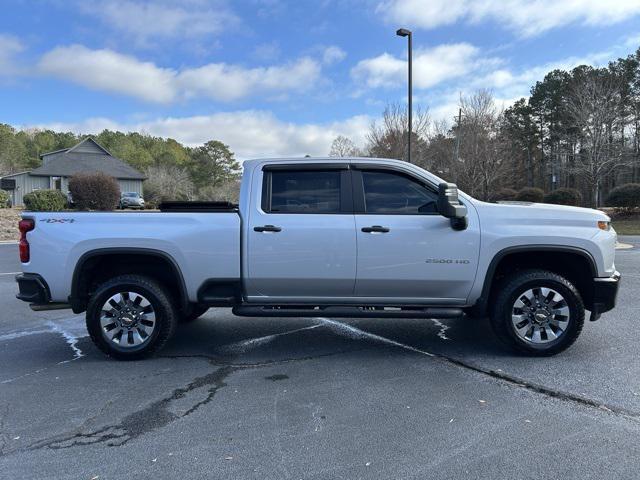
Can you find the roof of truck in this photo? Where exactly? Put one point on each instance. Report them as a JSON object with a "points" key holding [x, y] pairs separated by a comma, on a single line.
{"points": [[365, 160], [323, 160]]}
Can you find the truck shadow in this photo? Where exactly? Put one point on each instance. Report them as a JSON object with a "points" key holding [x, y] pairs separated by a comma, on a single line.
{"points": [[253, 340]]}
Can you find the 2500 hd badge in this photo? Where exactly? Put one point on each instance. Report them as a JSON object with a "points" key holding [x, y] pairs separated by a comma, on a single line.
{"points": [[447, 260]]}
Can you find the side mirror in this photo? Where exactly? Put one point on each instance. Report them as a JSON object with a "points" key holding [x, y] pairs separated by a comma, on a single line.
{"points": [[449, 206]]}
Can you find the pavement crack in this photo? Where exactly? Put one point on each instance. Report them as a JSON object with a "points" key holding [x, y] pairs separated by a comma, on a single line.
{"points": [[356, 333], [153, 417], [217, 361], [542, 389]]}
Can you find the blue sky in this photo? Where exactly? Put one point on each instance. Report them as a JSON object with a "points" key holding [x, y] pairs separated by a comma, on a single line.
{"points": [[276, 77]]}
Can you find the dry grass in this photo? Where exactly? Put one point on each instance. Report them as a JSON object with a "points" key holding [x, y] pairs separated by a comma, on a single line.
{"points": [[9, 218], [627, 226], [627, 223]]}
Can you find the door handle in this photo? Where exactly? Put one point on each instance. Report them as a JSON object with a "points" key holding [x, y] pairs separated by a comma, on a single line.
{"points": [[267, 228], [375, 229]]}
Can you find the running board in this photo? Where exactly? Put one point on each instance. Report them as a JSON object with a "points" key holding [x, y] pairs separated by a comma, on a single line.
{"points": [[345, 312], [41, 307]]}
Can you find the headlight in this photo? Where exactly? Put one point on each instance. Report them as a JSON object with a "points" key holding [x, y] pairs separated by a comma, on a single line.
{"points": [[602, 225]]}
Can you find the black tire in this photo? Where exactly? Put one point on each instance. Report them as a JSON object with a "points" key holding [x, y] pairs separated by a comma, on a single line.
{"points": [[515, 285], [157, 296], [194, 314]]}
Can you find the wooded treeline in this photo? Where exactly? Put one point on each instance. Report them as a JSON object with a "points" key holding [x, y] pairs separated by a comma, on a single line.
{"points": [[577, 129], [208, 172]]}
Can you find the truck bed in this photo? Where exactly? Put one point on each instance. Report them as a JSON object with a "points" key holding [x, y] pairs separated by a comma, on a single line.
{"points": [[205, 243]]}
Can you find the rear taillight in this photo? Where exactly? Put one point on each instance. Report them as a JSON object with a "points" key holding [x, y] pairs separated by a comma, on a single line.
{"points": [[25, 226]]}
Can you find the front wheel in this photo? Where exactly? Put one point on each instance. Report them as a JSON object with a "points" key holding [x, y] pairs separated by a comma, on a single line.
{"points": [[537, 312], [130, 317]]}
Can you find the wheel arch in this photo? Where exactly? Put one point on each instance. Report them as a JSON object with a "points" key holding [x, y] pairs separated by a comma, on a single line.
{"points": [[120, 260], [577, 264]]}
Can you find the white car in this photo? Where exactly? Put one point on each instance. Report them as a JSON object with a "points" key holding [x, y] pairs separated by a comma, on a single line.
{"points": [[131, 200], [325, 237]]}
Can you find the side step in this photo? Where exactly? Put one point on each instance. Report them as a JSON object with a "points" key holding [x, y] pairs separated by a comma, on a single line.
{"points": [[41, 307], [345, 312]]}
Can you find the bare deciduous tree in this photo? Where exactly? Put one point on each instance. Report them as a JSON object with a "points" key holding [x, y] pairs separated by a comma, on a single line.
{"points": [[388, 139], [168, 182], [227, 191], [344, 147], [593, 106], [480, 164]]}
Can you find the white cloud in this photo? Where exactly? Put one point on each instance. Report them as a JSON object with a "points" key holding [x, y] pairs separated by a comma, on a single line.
{"points": [[506, 84], [110, 71], [10, 46], [526, 17], [114, 72], [163, 18], [333, 54], [431, 66], [249, 133], [509, 84], [632, 41], [225, 82], [267, 52]]}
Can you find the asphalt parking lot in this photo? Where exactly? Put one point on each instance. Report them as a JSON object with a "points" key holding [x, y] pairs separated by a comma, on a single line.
{"points": [[318, 398]]}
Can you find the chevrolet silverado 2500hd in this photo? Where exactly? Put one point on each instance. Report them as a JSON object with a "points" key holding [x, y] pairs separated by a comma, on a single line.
{"points": [[325, 237]]}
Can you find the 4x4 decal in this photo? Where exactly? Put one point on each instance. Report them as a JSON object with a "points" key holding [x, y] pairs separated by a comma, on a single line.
{"points": [[58, 220]]}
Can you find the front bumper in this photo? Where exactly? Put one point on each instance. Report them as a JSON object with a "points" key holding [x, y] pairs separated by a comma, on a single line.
{"points": [[605, 291], [132, 204], [33, 288]]}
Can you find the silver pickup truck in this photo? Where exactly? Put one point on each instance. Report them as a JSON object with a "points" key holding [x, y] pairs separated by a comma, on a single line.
{"points": [[325, 237]]}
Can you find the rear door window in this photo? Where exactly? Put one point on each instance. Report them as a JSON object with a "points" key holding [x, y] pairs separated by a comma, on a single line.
{"points": [[303, 191]]}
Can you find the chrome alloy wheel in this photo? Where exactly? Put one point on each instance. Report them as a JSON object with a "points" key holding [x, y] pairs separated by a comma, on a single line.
{"points": [[127, 319], [540, 315]]}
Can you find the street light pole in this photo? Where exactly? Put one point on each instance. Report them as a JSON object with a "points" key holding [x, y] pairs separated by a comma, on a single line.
{"points": [[403, 32]]}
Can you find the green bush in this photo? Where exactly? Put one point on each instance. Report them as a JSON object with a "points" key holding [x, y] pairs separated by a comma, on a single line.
{"points": [[45, 201], [505, 195], [564, 196], [94, 191], [626, 197], [530, 194], [5, 199]]}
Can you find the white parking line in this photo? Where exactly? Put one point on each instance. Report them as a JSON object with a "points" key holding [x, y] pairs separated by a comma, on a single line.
{"points": [[22, 333], [69, 337], [443, 328], [244, 345], [353, 332], [9, 273]]}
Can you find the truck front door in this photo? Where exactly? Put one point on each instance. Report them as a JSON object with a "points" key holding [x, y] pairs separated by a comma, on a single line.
{"points": [[407, 252], [301, 237]]}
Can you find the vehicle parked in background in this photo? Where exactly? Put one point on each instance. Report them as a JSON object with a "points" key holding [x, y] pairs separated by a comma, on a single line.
{"points": [[325, 237], [131, 200]]}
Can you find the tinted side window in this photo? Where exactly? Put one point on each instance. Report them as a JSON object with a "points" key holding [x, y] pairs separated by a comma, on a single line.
{"points": [[392, 193], [308, 191]]}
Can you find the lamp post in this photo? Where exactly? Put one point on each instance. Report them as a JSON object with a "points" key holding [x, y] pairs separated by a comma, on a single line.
{"points": [[403, 32]]}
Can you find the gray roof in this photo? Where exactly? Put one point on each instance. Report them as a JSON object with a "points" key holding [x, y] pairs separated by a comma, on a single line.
{"points": [[87, 156]]}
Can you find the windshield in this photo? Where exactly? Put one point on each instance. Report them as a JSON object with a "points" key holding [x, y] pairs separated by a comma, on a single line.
{"points": [[130, 194]]}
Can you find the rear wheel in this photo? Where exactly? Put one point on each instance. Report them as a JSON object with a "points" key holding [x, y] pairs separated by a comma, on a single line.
{"points": [[130, 317], [537, 312]]}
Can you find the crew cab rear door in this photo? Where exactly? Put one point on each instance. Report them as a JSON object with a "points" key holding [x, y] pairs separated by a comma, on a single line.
{"points": [[407, 252], [301, 238]]}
